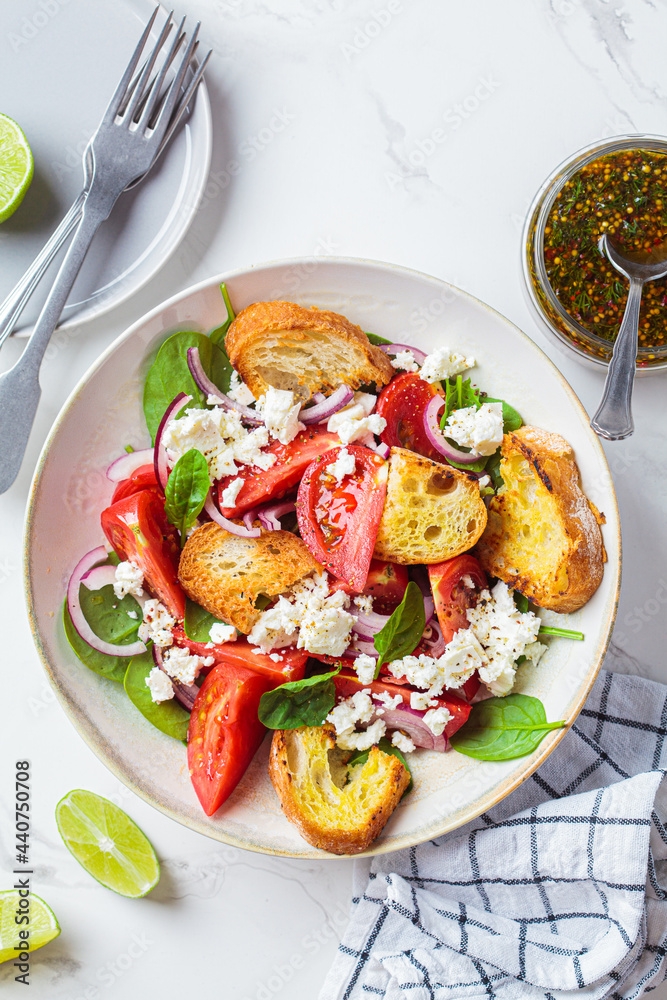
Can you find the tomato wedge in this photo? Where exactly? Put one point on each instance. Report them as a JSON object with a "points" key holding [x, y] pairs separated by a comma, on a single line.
{"points": [[141, 479], [339, 521], [402, 404], [348, 683], [138, 530], [224, 732], [242, 654], [385, 583], [292, 461], [450, 594]]}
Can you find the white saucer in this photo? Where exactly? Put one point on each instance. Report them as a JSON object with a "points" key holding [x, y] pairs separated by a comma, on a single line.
{"points": [[61, 63]]}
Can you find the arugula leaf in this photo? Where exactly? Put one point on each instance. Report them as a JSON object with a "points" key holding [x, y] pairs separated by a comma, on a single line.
{"points": [[186, 491], [108, 616], [299, 703], [512, 419], [111, 667], [376, 339], [564, 633], [361, 756], [169, 374], [504, 728], [198, 622], [218, 335], [168, 716], [401, 634]]}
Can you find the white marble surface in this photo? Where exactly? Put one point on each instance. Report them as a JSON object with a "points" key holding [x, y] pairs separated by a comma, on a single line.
{"points": [[339, 101]]}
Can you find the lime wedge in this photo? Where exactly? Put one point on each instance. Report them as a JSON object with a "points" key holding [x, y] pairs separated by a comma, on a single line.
{"points": [[108, 844], [16, 166], [42, 925]]}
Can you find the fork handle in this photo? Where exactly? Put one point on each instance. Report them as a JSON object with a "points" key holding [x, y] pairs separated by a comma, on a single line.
{"points": [[19, 387], [613, 419]]}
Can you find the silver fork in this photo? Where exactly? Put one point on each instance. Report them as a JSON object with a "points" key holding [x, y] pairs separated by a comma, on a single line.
{"points": [[120, 151], [16, 301]]}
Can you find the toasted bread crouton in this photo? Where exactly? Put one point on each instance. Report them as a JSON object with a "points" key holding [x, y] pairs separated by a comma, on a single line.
{"points": [[543, 536], [226, 573], [336, 817], [432, 512], [304, 350]]}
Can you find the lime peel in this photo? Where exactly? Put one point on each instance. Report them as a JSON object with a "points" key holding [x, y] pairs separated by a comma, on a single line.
{"points": [[16, 166], [42, 925]]}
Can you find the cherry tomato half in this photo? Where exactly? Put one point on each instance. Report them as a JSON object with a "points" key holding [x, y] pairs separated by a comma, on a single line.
{"points": [[451, 595], [339, 521], [138, 530], [292, 461], [141, 479], [402, 404], [241, 654], [385, 583], [224, 732]]}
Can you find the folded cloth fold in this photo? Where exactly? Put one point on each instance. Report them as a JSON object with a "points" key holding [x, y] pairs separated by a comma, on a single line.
{"points": [[556, 892]]}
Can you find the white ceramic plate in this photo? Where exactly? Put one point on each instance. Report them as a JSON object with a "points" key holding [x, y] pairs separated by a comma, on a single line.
{"points": [[104, 413], [60, 65]]}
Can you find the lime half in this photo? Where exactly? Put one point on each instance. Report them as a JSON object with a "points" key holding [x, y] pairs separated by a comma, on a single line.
{"points": [[41, 926], [108, 844], [16, 166]]}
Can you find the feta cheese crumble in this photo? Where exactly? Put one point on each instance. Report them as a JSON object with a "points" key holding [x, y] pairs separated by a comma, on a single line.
{"points": [[402, 742], [405, 361], [390, 701], [357, 419], [347, 713], [159, 685], [421, 700], [222, 439], [183, 666], [239, 391], [364, 602], [480, 430], [222, 633], [280, 413], [344, 465], [230, 494], [436, 719], [129, 580], [157, 624], [308, 616], [504, 632], [365, 667], [442, 363]]}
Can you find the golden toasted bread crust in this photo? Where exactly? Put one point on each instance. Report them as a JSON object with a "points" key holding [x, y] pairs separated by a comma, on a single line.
{"points": [[339, 820], [432, 511], [306, 350], [226, 573], [543, 536]]}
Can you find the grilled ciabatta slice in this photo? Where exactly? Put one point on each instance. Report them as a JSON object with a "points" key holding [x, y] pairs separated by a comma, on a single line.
{"points": [[336, 817], [226, 573], [305, 350], [543, 535], [432, 512]]}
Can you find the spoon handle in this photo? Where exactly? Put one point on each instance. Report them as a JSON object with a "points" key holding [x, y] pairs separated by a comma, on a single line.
{"points": [[613, 419]]}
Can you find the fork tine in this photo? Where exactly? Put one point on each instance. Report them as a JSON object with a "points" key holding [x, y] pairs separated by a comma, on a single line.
{"points": [[140, 89], [182, 105], [173, 92], [119, 93], [155, 93]]}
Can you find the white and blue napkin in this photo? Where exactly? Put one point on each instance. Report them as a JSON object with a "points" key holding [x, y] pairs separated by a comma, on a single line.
{"points": [[559, 891]]}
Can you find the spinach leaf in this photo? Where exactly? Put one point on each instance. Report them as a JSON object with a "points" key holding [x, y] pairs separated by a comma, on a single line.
{"points": [[198, 622], [186, 491], [504, 728], [520, 601], [512, 419], [376, 339], [493, 469], [401, 634], [108, 616], [112, 667], [218, 335], [168, 716], [361, 756], [299, 703], [169, 374]]}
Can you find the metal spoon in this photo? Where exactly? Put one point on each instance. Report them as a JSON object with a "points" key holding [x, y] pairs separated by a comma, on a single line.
{"points": [[613, 419]]}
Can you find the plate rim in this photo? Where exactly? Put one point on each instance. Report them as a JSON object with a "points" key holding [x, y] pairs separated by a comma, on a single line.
{"points": [[88, 732]]}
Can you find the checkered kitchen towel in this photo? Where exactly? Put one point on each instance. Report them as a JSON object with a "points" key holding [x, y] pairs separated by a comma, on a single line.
{"points": [[557, 892]]}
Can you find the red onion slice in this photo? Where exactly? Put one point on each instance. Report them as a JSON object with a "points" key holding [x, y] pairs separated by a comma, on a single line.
{"points": [[249, 518], [420, 577], [184, 693], [210, 389], [230, 526], [359, 646], [84, 566], [437, 438], [322, 411], [412, 723], [269, 516], [435, 641], [160, 452], [123, 467], [420, 356], [368, 623]]}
